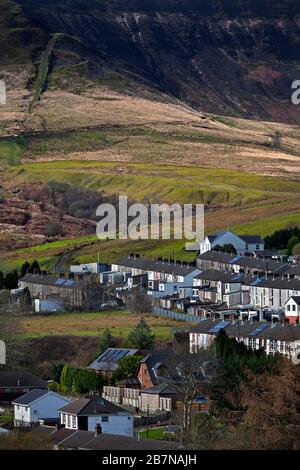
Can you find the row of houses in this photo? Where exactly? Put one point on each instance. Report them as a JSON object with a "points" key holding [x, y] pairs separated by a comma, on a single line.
{"points": [[281, 338]]}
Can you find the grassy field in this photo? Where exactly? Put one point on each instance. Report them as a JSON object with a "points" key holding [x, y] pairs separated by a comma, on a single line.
{"points": [[93, 324], [160, 183], [153, 433]]}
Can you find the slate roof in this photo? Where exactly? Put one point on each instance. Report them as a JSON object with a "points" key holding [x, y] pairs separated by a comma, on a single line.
{"points": [[224, 276], [48, 280], [155, 359], [252, 239], [93, 405], [276, 331], [14, 379], [276, 283], [156, 266], [109, 360], [69, 438], [269, 265], [161, 389], [30, 397]]}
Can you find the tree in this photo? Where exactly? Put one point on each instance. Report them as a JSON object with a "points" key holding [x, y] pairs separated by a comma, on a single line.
{"points": [[106, 341], [127, 368], [11, 280], [66, 379], [53, 229], [293, 241], [56, 371], [25, 268], [85, 381], [26, 299], [141, 336], [53, 188], [191, 375], [205, 431], [138, 301], [35, 268]]}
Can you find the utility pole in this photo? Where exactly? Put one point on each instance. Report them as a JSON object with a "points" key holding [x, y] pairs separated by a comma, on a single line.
{"points": [[147, 421]]}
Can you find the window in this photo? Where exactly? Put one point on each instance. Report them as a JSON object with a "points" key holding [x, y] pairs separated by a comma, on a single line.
{"points": [[294, 308], [288, 308], [63, 418], [104, 419], [74, 421], [69, 421], [257, 247]]}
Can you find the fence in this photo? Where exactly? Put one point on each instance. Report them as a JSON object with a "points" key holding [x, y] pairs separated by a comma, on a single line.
{"points": [[175, 315]]}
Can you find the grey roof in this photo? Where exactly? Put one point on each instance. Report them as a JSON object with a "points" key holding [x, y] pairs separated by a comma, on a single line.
{"points": [[109, 360], [157, 266], [224, 276], [161, 389], [14, 379], [268, 265], [217, 256], [293, 270], [30, 397], [244, 329], [92, 405], [252, 239], [273, 283], [69, 438], [155, 360], [48, 280]]}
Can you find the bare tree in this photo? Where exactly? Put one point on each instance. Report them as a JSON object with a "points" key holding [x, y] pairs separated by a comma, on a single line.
{"points": [[191, 375], [138, 301]]}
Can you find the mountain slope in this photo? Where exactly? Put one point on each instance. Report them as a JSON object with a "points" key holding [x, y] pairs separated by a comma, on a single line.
{"points": [[227, 57]]}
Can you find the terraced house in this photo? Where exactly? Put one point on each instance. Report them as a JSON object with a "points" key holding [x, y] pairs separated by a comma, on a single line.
{"points": [[76, 293], [274, 338]]}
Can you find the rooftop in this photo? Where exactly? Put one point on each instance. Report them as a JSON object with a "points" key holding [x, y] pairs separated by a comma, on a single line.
{"points": [[30, 397], [109, 360], [16, 379], [92, 405]]}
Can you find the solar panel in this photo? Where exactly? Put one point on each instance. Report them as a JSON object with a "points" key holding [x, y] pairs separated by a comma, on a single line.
{"points": [[259, 329], [258, 281], [237, 277], [220, 326], [59, 282], [69, 282], [236, 258]]}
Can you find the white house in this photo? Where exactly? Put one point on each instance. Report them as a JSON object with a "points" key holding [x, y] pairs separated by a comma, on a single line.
{"points": [[274, 338], [292, 309], [90, 413], [36, 405], [242, 243]]}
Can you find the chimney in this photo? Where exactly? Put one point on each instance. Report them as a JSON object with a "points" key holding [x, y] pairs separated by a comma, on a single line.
{"points": [[98, 430]]}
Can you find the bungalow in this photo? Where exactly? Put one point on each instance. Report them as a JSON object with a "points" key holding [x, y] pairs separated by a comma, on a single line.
{"points": [[37, 405], [241, 243], [14, 384], [87, 414]]}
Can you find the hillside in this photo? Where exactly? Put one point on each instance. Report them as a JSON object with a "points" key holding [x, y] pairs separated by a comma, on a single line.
{"points": [[236, 57], [180, 103]]}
